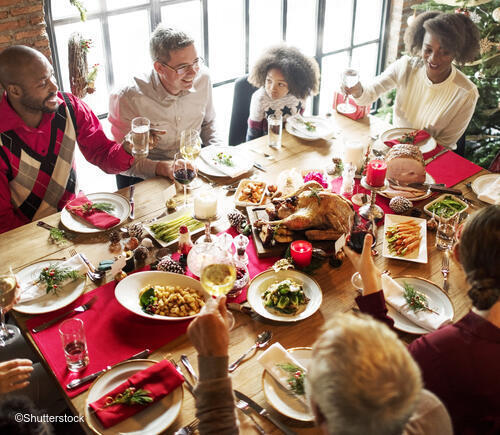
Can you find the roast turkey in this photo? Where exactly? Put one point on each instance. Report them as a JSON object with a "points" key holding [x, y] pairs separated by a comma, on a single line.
{"points": [[405, 164], [311, 206]]}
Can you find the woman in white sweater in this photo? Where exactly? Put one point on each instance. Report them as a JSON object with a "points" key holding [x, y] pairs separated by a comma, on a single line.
{"points": [[432, 94]]}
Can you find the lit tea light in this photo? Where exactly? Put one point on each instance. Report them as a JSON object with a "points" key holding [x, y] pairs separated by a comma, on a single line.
{"points": [[301, 252], [375, 173], [205, 205]]}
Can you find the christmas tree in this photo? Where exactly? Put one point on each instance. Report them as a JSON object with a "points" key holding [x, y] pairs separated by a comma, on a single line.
{"points": [[483, 133]]}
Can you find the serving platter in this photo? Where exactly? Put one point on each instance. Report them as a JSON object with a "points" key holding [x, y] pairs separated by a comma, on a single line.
{"points": [[263, 280], [418, 255], [392, 191], [51, 301], [154, 419], [283, 401], [121, 211], [127, 291]]}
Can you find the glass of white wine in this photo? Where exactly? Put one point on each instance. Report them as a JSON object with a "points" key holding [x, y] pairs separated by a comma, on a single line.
{"points": [[218, 274], [8, 293], [349, 78], [190, 148]]}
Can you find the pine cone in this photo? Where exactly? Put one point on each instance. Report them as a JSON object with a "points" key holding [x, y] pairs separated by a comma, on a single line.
{"points": [[400, 204], [115, 237], [236, 219], [167, 264], [135, 230]]}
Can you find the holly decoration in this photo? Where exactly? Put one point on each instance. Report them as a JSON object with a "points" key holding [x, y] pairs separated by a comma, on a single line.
{"points": [[296, 379], [53, 275], [131, 396]]}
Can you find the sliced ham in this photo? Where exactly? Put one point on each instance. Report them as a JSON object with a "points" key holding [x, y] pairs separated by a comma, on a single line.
{"points": [[405, 164]]}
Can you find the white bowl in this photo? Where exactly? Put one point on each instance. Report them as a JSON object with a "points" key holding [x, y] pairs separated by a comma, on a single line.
{"points": [[442, 219], [242, 185], [127, 290]]}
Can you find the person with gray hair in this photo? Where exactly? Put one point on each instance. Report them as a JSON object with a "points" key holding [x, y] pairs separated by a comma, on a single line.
{"points": [[175, 95], [361, 380]]}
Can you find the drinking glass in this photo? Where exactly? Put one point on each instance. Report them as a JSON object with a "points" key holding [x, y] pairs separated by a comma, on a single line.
{"points": [[445, 234], [74, 344], [8, 293], [218, 274], [190, 148], [184, 172], [349, 78], [357, 282], [140, 137], [275, 130]]}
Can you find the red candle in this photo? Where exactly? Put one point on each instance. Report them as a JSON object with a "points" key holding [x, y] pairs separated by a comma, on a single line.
{"points": [[301, 252], [375, 173]]}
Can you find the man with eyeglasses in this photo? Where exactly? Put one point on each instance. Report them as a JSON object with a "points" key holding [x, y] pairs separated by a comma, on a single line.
{"points": [[174, 96]]}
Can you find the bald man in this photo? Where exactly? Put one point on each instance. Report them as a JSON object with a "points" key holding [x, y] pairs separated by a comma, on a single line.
{"points": [[39, 128]]}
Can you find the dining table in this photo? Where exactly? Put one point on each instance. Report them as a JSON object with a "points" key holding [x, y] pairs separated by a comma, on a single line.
{"points": [[29, 244]]}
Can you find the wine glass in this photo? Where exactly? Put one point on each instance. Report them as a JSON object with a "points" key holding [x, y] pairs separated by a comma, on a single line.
{"points": [[218, 274], [8, 293], [184, 172], [190, 148], [349, 78]]}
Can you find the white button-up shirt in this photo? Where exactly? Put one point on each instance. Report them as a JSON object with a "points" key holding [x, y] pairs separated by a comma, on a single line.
{"points": [[174, 113]]}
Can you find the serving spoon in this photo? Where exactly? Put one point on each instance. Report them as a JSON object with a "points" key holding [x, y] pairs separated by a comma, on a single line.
{"points": [[262, 340]]}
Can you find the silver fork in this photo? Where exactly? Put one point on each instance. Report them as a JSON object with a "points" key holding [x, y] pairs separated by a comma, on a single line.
{"points": [[189, 428], [445, 270], [189, 385], [93, 276], [243, 407]]}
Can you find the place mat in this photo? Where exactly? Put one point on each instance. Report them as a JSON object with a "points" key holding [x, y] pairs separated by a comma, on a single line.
{"points": [[361, 111], [451, 169], [113, 334]]}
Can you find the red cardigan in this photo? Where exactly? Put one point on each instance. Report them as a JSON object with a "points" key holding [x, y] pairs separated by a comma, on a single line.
{"points": [[460, 363]]}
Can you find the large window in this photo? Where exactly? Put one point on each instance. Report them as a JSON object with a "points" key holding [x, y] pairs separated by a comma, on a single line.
{"points": [[230, 35]]}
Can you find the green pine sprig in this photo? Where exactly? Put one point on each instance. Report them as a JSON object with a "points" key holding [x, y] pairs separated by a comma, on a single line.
{"points": [[89, 207], [296, 379], [131, 396], [53, 275], [416, 300], [314, 193], [58, 236]]}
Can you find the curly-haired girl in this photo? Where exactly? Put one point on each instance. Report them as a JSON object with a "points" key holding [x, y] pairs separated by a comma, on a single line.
{"points": [[431, 93], [285, 78]]}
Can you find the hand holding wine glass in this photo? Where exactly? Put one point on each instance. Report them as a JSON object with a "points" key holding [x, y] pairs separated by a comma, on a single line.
{"points": [[350, 85], [190, 145], [184, 171], [8, 293]]}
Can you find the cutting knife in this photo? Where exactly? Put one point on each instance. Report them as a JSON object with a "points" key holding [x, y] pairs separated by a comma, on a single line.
{"points": [[241, 308], [263, 412], [131, 202], [260, 167], [77, 382], [440, 153], [435, 188]]}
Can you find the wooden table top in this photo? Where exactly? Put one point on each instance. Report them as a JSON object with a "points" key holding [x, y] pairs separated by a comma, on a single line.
{"points": [[29, 244]]}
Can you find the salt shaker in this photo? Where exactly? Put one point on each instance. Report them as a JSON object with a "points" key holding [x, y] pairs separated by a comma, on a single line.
{"points": [[241, 243], [348, 179], [185, 243]]}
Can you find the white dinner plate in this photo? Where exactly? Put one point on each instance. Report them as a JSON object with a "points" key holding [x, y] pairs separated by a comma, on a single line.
{"points": [[121, 211], [425, 193], [262, 281], [437, 298], [243, 162], [128, 289], [50, 302], [279, 398], [395, 133], [154, 419], [418, 255], [185, 211], [324, 127], [480, 184]]}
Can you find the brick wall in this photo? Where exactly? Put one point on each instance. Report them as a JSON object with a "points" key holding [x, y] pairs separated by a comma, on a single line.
{"points": [[398, 16], [23, 22]]}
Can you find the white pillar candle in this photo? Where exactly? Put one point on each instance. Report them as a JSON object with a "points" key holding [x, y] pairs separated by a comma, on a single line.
{"points": [[354, 153], [205, 205]]}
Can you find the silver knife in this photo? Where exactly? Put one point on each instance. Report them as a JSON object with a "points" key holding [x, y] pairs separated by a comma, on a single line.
{"points": [[131, 202], [440, 153], [241, 308], [77, 382], [435, 188], [259, 167], [262, 411]]}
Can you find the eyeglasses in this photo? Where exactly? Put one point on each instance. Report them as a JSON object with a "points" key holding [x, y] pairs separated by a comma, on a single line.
{"points": [[184, 68]]}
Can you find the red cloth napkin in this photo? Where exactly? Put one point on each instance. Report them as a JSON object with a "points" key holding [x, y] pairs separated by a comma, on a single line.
{"points": [[98, 218], [159, 379], [361, 111], [113, 334], [450, 168], [419, 137]]}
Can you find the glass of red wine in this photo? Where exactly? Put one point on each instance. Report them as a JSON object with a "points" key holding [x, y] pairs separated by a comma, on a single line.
{"points": [[184, 172], [358, 232]]}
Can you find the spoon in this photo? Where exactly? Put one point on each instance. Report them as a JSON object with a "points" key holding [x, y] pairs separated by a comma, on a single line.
{"points": [[262, 340]]}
